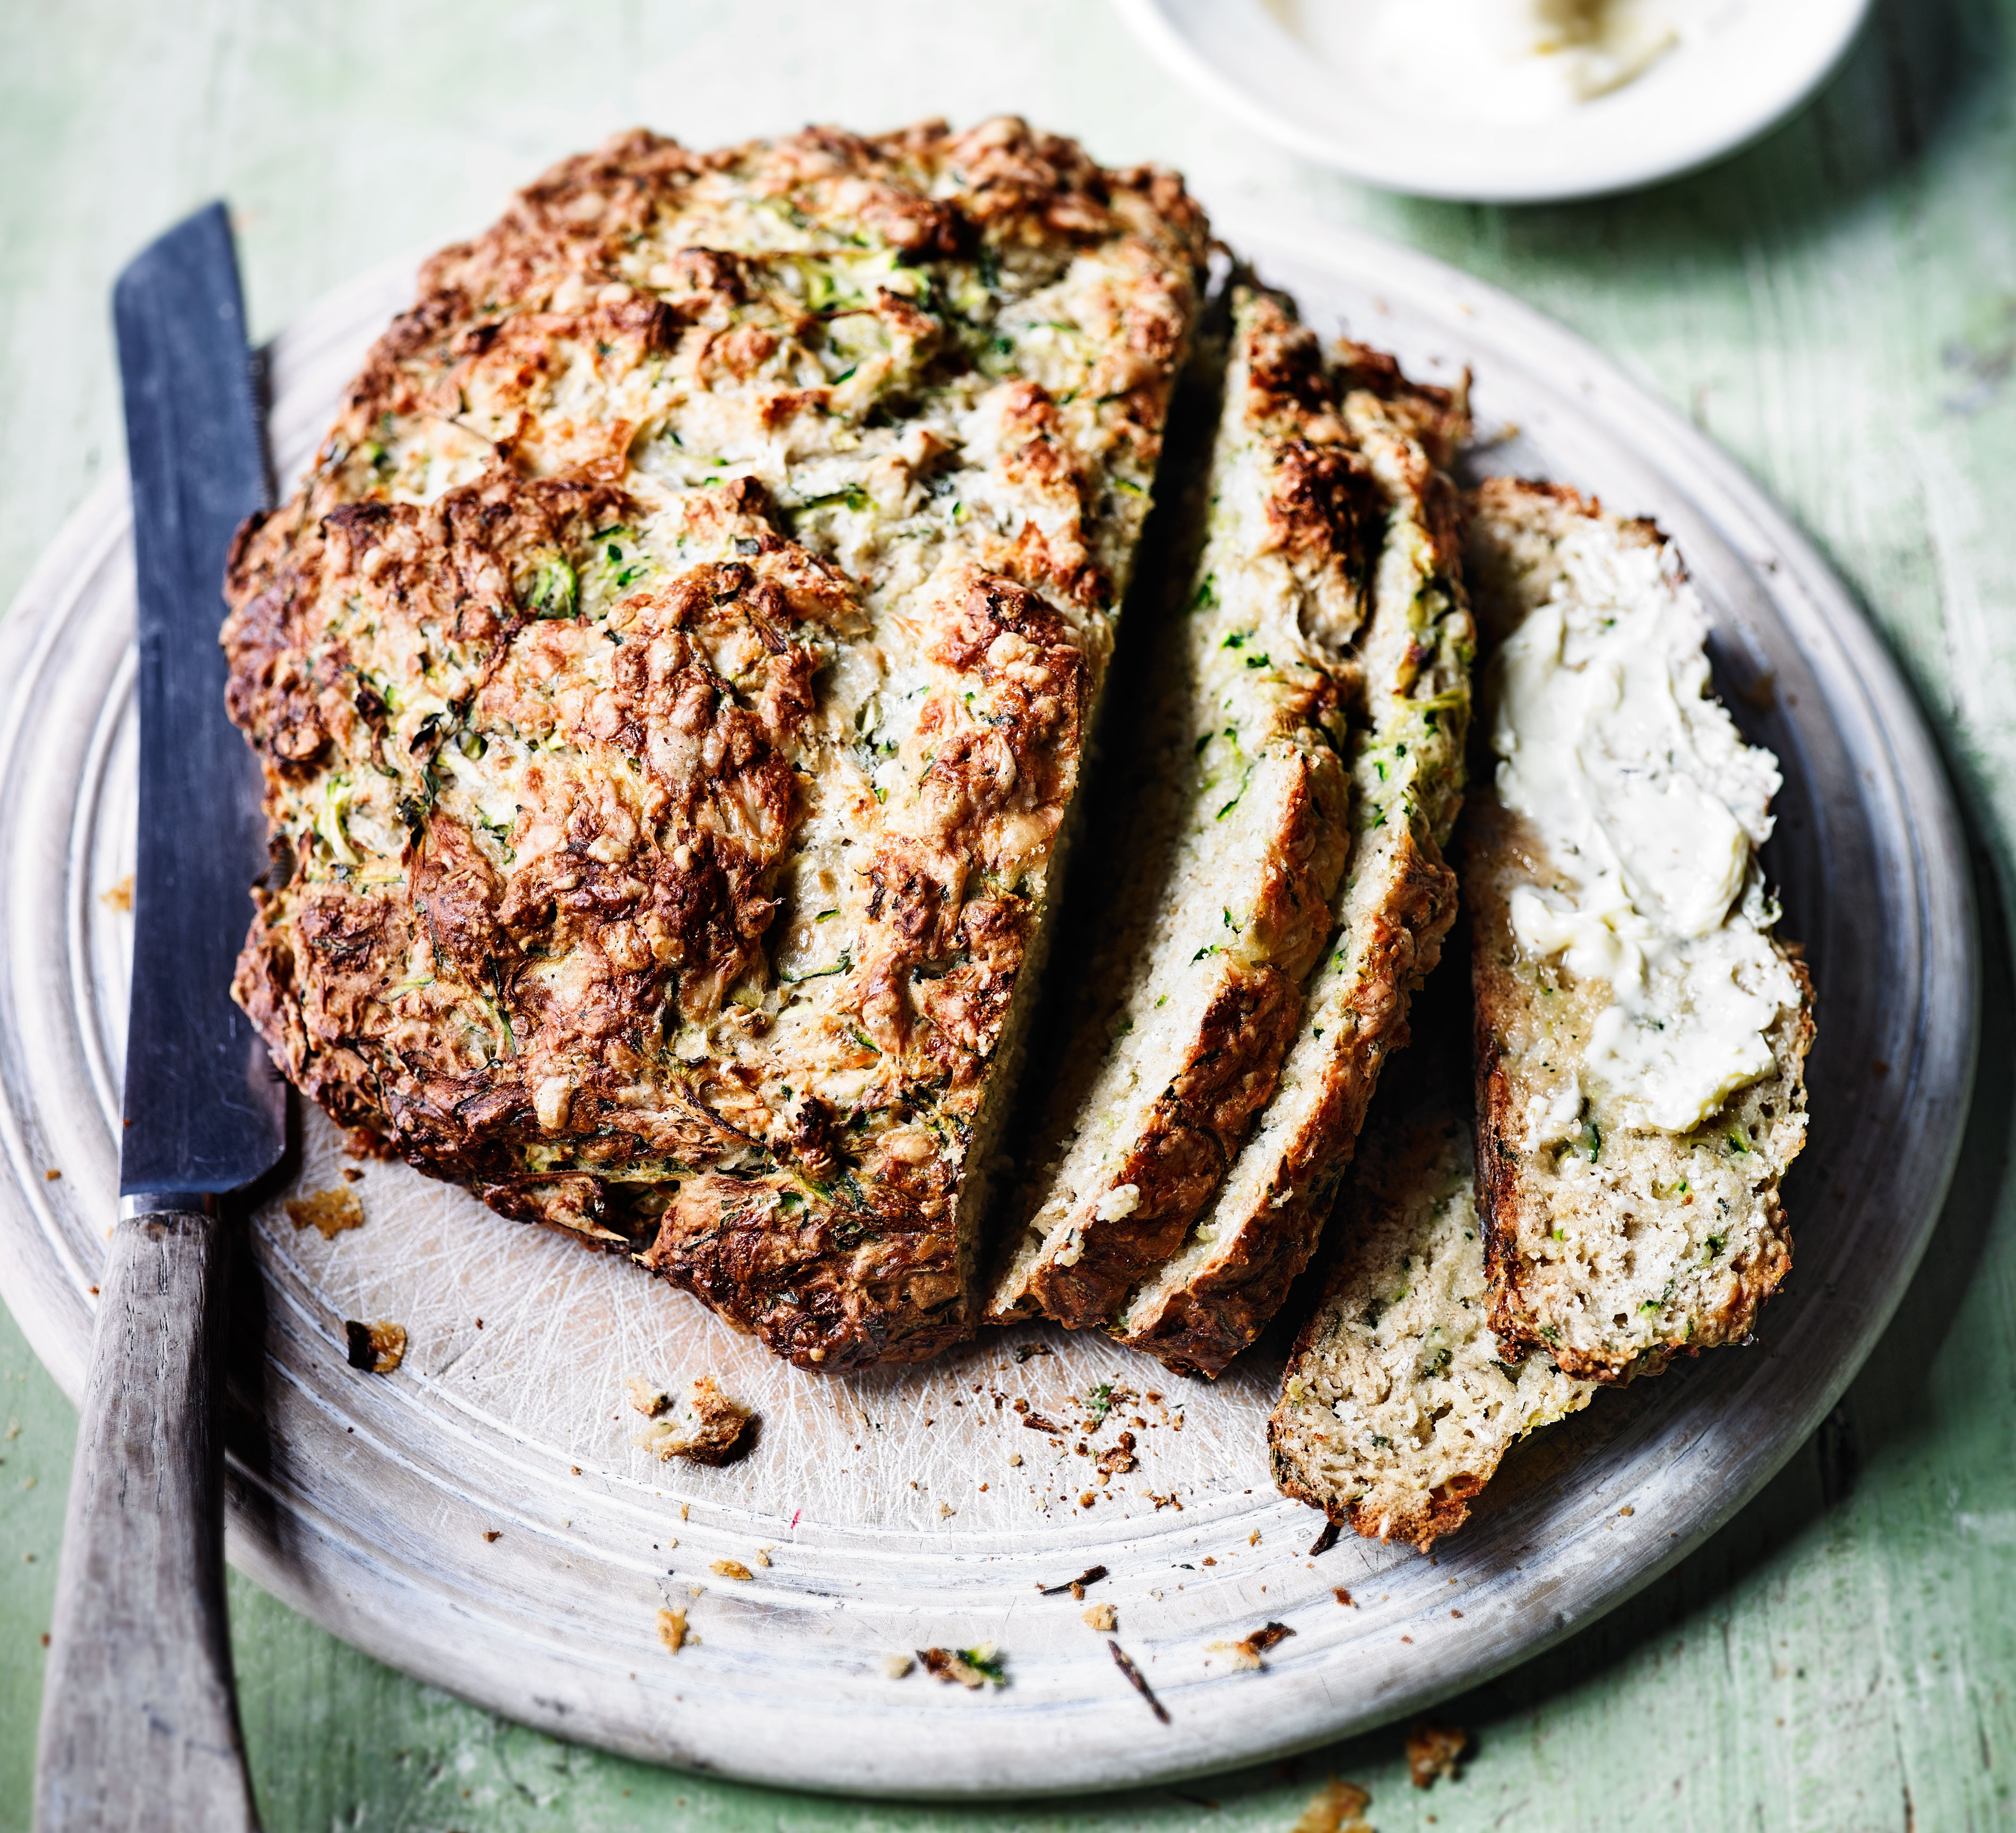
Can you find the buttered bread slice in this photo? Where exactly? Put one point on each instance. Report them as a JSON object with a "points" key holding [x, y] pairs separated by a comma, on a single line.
{"points": [[1640, 1032], [1280, 889], [672, 680]]}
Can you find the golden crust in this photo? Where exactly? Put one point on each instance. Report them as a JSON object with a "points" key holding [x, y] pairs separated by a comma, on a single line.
{"points": [[672, 680]]}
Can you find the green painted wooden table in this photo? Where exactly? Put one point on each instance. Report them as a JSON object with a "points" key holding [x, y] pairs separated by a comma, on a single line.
{"points": [[1838, 306]]}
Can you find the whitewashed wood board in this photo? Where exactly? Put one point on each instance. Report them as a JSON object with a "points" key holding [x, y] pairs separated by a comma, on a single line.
{"points": [[887, 1504]]}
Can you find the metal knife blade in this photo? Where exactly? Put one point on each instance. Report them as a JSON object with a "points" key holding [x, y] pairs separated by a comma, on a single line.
{"points": [[205, 1110]]}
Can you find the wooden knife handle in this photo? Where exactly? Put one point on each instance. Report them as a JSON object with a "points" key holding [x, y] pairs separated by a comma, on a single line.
{"points": [[139, 1731]]}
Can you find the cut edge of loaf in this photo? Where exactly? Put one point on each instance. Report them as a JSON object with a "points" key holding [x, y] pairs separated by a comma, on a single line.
{"points": [[1237, 837], [1398, 900]]}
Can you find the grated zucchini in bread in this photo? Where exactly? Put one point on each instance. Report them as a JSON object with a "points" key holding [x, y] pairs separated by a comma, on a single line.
{"points": [[1280, 887], [672, 680], [1399, 1401], [1640, 1033]]}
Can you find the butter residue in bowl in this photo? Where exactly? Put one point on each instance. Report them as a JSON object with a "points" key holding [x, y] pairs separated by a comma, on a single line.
{"points": [[1512, 61], [1650, 808]]}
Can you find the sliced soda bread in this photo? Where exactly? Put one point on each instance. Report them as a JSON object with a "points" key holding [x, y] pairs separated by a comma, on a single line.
{"points": [[1399, 1400], [1393, 906], [1240, 827], [1640, 1033], [1282, 887]]}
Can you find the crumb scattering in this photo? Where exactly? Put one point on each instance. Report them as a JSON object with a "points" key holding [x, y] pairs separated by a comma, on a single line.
{"points": [[672, 1628], [328, 1212], [706, 1429], [1091, 1576], [375, 1349], [1343, 1596], [1337, 1807], [647, 1396], [119, 896], [1247, 1651], [1434, 1751], [730, 1569], [493, 1533], [1100, 1616], [1120, 1459]]}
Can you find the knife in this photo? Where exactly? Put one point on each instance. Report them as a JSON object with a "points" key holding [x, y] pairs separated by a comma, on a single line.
{"points": [[139, 1726]]}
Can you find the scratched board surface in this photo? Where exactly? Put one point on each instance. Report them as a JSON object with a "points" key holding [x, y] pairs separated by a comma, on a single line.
{"points": [[1834, 306]]}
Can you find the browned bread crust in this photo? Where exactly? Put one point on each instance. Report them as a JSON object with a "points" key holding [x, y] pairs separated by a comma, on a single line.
{"points": [[672, 680]]}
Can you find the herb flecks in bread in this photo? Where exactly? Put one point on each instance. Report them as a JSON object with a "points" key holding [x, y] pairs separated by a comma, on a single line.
{"points": [[1640, 1033], [1281, 888], [672, 680], [1399, 1401], [1393, 906], [1240, 819]]}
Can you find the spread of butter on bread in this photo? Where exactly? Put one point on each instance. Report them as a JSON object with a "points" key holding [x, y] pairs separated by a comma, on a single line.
{"points": [[1640, 1034], [1651, 808]]}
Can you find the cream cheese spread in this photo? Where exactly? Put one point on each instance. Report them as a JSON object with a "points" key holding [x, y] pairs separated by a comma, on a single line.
{"points": [[1650, 808]]}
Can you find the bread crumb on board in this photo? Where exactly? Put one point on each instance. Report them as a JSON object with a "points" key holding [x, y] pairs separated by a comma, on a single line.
{"points": [[648, 1397], [1434, 1751], [1337, 1807], [375, 1349], [1098, 1616], [1247, 1651], [1120, 1459], [730, 1569], [672, 1628], [328, 1212], [707, 1428], [970, 1667]]}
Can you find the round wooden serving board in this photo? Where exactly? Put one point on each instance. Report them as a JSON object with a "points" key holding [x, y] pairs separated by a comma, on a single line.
{"points": [[481, 1519]]}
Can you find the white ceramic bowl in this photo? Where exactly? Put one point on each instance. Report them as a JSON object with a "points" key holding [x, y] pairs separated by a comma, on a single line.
{"points": [[1283, 67]]}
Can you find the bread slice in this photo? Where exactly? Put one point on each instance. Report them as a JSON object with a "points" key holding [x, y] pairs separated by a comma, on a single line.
{"points": [[1634, 1124], [1241, 825], [672, 680], [1399, 1401], [1283, 889]]}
